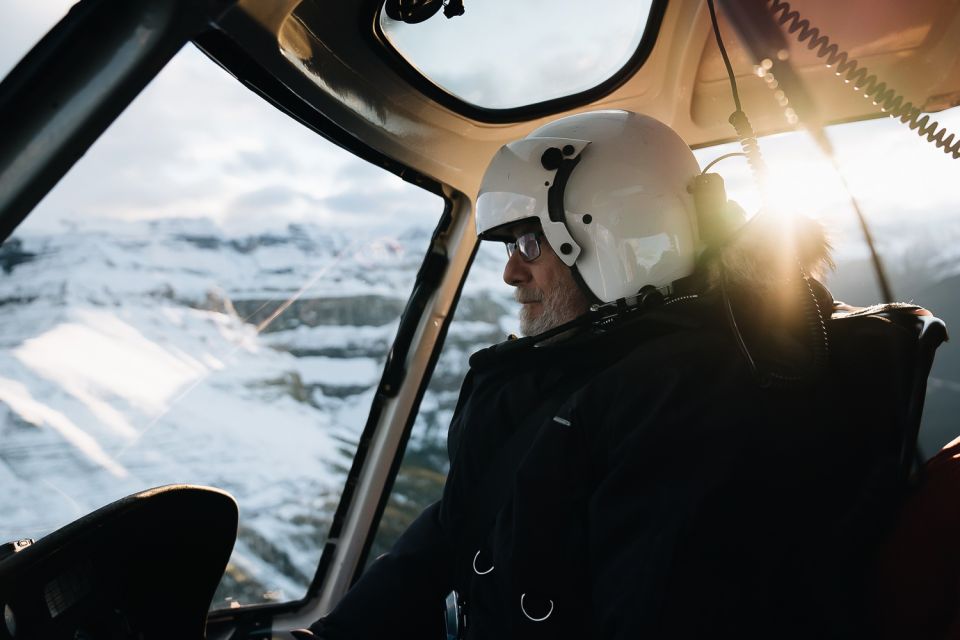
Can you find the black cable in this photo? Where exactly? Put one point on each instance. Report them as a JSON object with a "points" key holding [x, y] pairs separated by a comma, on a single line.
{"points": [[723, 157], [751, 150], [735, 328], [817, 327], [885, 289], [723, 53], [739, 120]]}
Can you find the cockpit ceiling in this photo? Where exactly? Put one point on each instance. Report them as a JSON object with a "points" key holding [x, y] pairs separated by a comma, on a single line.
{"points": [[910, 46], [328, 54]]}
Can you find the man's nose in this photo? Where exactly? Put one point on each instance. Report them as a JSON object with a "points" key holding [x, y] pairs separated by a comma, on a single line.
{"points": [[516, 272]]}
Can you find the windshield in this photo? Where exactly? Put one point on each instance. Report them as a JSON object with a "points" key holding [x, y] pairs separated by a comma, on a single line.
{"points": [[207, 297]]}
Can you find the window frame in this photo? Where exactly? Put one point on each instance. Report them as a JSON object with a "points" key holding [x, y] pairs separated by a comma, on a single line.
{"points": [[238, 63]]}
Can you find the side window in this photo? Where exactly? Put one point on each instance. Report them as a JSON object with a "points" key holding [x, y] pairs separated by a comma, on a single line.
{"points": [[207, 297], [486, 314]]}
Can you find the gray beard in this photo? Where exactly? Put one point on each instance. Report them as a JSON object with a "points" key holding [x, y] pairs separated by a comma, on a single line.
{"points": [[563, 303]]}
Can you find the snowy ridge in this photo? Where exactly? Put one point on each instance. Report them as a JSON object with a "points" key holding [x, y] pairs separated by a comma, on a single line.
{"points": [[153, 354]]}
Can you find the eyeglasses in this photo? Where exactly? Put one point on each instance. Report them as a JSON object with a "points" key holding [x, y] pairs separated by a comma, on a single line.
{"points": [[528, 244]]}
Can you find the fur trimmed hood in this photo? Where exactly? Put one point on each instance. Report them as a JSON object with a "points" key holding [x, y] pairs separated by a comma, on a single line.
{"points": [[766, 273], [769, 252]]}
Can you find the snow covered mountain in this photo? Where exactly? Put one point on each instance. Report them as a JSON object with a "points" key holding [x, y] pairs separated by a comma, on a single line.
{"points": [[171, 352]]}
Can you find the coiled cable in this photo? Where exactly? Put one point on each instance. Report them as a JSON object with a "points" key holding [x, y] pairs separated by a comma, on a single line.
{"points": [[862, 80], [750, 146]]}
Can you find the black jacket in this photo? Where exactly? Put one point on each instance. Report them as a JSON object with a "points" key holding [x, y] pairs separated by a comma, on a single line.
{"points": [[680, 480]]}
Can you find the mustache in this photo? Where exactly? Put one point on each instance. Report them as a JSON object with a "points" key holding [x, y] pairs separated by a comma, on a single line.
{"points": [[527, 295]]}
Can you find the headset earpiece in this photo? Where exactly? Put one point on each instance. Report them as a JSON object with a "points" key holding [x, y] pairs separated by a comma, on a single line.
{"points": [[717, 217]]}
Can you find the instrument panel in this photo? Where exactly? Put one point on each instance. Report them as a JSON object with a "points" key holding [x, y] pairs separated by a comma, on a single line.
{"points": [[141, 568]]}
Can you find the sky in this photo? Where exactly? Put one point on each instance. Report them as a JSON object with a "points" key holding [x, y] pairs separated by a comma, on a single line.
{"points": [[196, 143], [495, 35]]}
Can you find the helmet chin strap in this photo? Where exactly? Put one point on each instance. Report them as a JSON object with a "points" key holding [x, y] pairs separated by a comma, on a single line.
{"points": [[603, 316], [648, 296]]}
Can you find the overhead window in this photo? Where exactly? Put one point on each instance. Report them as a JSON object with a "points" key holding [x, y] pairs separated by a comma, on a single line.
{"points": [[503, 54]]}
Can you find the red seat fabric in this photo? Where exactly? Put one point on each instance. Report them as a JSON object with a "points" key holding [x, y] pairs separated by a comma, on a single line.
{"points": [[916, 591]]}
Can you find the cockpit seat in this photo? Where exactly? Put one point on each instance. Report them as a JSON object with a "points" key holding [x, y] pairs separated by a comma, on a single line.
{"points": [[914, 589], [917, 586]]}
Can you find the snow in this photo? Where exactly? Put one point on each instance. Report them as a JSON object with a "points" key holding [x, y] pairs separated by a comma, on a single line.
{"points": [[19, 400], [339, 371], [326, 336], [100, 355], [123, 365]]}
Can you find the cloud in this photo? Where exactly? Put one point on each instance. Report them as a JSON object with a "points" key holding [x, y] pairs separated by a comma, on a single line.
{"points": [[259, 161], [274, 200], [360, 173], [363, 189], [197, 143]]}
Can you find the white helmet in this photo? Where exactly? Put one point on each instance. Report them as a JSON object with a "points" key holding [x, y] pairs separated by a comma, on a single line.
{"points": [[610, 191]]}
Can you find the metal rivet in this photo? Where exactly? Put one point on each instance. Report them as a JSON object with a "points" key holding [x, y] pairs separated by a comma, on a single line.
{"points": [[587, 219], [565, 248], [568, 150]]}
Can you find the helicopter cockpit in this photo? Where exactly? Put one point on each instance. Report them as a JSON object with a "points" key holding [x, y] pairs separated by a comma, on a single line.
{"points": [[240, 253]]}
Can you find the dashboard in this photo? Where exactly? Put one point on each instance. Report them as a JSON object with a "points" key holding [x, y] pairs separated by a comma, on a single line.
{"points": [[144, 567]]}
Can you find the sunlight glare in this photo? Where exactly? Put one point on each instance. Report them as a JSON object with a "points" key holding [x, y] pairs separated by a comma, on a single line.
{"points": [[100, 357], [893, 173], [17, 397]]}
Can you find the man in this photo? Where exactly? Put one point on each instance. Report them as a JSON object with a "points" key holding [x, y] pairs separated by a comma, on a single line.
{"points": [[665, 454]]}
